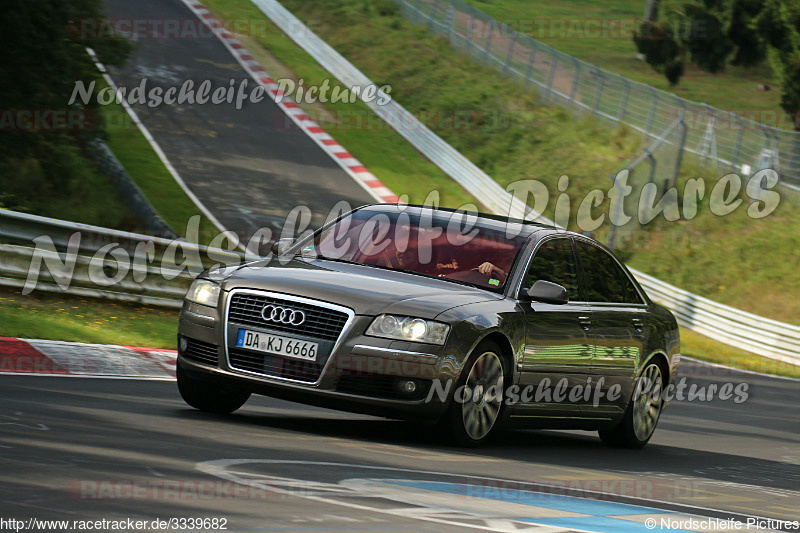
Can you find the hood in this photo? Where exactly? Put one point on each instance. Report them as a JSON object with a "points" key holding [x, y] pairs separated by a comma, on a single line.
{"points": [[366, 290]]}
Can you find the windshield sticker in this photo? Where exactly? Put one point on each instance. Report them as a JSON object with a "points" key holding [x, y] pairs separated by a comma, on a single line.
{"points": [[495, 282]]}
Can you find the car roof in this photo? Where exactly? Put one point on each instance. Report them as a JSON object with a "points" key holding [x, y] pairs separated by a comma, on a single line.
{"points": [[488, 220]]}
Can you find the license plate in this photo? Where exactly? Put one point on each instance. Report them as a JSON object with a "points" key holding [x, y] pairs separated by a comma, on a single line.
{"points": [[277, 345]]}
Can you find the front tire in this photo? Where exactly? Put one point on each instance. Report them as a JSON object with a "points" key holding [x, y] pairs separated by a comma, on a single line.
{"points": [[470, 422], [644, 410], [206, 396]]}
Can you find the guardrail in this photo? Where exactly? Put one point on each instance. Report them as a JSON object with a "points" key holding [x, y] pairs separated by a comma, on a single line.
{"points": [[722, 137], [731, 326], [23, 228], [89, 275], [143, 282]]}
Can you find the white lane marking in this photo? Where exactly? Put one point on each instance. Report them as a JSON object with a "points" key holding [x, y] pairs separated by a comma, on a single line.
{"points": [[161, 155], [219, 468]]}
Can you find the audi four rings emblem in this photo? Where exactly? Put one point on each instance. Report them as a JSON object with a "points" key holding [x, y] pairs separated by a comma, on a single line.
{"points": [[283, 315]]}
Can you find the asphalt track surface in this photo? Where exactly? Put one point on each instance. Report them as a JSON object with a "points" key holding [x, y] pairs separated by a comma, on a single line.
{"points": [[91, 448], [245, 165]]}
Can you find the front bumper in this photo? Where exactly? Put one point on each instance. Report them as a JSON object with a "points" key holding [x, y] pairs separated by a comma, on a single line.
{"points": [[362, 374]]}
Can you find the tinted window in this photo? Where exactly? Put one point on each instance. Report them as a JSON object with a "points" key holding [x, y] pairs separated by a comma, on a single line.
{"points": [[604, 280], [631, 294], [555, 262]]}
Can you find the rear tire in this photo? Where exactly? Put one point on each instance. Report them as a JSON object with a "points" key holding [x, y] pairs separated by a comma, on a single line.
{"points": [[644, 410], [470, 423], [206, 396]]}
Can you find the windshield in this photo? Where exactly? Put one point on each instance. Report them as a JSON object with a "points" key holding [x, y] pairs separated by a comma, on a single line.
{"points": [[448, 245]]}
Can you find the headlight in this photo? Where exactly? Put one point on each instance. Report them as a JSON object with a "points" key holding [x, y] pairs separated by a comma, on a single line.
{"points": [[408, 329], [204, 292]]}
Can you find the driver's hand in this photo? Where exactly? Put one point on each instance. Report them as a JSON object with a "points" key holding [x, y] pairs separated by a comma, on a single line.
{"points": [[487, 269]]}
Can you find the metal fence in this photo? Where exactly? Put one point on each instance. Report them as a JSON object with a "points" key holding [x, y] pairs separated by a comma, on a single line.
{"points": [[724, 139], [658, 167]]}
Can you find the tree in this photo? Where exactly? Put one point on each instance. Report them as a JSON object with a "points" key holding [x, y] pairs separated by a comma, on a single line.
{"points": [[41, 61], [714, 33], [779, 25]]}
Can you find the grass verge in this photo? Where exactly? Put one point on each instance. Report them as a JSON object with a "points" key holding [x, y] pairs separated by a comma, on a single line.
{"points": [[83, 194], [601, 33], [706, 349], [144, 166], [58, 317]]}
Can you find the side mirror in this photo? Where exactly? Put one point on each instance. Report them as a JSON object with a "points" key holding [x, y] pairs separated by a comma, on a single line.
{"points": [[281, 245], [551, 293]]}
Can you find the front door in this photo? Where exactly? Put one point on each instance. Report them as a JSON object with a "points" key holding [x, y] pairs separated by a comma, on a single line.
{"points": [[559, 337]]}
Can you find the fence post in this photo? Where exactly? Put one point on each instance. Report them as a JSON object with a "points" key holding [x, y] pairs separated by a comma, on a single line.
{"points": [[613, 232], [651, 179], [470, 40], [575, 81], [531, 60], [599, 93], [418, 11], [651, 115], [450, 22], [432, 19], [551, 77], [487, 48], [737, 150], [624, 105], [510, 55], [679, 157]]}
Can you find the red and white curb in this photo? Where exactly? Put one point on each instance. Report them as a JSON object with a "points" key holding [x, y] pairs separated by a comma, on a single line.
{"points": [[338, 153], [59, 358]]}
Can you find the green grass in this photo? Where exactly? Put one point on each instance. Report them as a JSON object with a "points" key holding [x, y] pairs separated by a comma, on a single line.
{"points": [[88, 196], [706, 349], [750, 264], [736, 89], [57, 317], [144, 166]]}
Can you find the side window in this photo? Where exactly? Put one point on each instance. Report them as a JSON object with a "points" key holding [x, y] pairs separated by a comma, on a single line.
{"points": [[631, 294], [605, 281], [555, 262]]}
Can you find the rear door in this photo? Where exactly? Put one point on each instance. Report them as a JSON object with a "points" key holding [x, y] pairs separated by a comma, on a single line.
{"points": [[618, 313], [558, 346]]}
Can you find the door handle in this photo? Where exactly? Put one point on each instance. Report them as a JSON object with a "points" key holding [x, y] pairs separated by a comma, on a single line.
{"points": [[638, 323], [585, 322]]}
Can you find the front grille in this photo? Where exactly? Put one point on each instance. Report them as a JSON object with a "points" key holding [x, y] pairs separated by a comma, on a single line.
{"points": [[380, 386], [274, 365], [201, 352], [320, 323]]}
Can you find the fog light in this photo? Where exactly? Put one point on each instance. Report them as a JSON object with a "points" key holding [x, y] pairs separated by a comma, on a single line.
{"points": [[183, 344], [408, 386]]}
